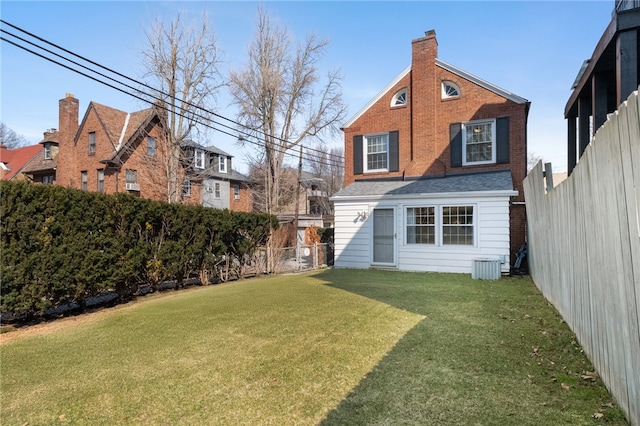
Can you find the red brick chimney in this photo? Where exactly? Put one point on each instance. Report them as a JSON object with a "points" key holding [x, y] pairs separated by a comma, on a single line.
{"points": [[67, 128], [68, 117], [424, 95]]}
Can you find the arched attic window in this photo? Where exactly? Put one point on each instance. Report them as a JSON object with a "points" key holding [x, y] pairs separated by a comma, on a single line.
{"points": [[400, 98], [450, 90]]}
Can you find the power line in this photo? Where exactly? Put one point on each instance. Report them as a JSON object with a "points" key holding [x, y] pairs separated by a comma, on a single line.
{"points": [[244, 134], [309, 157]]}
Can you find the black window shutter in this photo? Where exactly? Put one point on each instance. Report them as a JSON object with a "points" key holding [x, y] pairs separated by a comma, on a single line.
{"points": [[502, 140], [394, 161], [455, 136], [357, 155]]}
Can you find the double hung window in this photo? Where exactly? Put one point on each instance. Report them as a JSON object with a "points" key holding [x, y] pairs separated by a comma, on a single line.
{"points": [[100, 180], [92, 142], [186, 188], [421, 225], [376, 152], [222, 164], [198, 160], [131, 176], [151, 146], [457, 225], [84, 180], [479, 142]]}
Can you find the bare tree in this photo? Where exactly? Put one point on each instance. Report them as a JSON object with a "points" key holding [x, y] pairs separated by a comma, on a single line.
{"points": [[282, 98], [182, 63], [532, 160], [329, 170], [9, 138], [258, 173]]}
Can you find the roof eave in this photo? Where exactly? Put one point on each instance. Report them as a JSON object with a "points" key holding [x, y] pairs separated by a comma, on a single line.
{"points": [[376, 98], [429, 195], [482, 83]]}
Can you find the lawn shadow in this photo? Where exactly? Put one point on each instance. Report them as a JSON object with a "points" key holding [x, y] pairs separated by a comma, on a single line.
{"points": [[470, 360], [396, 390]]}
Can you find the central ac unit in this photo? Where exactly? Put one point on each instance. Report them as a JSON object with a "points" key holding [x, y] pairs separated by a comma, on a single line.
{"points": [[132, 186], [486, 269]]}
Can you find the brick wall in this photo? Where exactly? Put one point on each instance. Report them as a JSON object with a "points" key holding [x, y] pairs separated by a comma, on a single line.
{"points": [[245, 203]]}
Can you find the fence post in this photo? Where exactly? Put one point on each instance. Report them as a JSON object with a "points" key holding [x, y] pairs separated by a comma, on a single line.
{"points": [[315, 255]]}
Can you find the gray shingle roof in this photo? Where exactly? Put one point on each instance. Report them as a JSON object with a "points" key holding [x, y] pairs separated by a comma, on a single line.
{"points": [[476, 182], [232, 175]]}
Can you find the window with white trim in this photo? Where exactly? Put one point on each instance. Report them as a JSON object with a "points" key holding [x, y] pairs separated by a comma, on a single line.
{"points": [[376, 152], [216, 190], [47, 151], [400, 98], [198, 159], [440, 225], [222, 164], [457, 225], [421, 225], [450, 90], [186, 188], [479, 142], [236, 192]]}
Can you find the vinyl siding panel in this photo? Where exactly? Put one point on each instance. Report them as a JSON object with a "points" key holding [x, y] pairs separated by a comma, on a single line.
{"points": [[352, 237], [491, 235]]}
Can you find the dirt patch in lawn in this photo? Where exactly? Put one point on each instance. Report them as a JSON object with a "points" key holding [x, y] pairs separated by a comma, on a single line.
{"points": [[14, 332]]}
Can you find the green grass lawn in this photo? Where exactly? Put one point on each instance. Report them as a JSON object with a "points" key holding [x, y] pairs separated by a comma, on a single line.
{"points": [[330, 347]]}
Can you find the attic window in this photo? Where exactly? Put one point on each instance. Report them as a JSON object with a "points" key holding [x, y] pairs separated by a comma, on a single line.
{"points": [[450, 90], [92, 143], [199, 159], [47, 151], [400, 98]]}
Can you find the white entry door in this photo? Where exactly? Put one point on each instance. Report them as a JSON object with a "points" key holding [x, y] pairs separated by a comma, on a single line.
{"points": [[384, 236]]}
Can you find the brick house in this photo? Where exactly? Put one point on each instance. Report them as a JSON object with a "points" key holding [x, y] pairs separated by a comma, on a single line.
{"points": [[113, 151], [13, 161], [434, 166]]}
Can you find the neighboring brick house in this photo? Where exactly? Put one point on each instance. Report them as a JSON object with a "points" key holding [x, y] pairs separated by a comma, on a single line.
{"points": [[434, 166], [113, 151], [13, 161]]}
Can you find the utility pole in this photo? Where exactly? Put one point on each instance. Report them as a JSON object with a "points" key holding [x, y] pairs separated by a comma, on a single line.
{"points": [[295, 222]]}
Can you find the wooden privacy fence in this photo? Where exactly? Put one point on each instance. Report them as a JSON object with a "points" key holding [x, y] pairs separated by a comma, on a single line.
{"points": [[584, 251]]}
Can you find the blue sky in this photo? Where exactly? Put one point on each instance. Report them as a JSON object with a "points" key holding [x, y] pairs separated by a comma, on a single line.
{"points": [[533, 49]]}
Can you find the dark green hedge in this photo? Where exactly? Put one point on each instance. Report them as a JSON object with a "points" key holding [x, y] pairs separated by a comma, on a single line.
{"points": [[61, 246]]}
